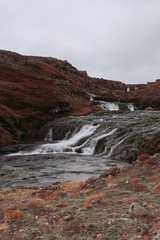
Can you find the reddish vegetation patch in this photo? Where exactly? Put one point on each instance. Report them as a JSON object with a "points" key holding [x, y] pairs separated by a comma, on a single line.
{"points": [[89, 206], [110, 202], [11, 208], [42, 219], [4, 227], [61, 205], [74, 195], [135, 180], [128, 200], [97, 197], [52, 195], [36, 203], [74, 186], [146, 158], [156, 170], [136, 187], [13, 214], [156, 189], [153, 179], [111, 180]]}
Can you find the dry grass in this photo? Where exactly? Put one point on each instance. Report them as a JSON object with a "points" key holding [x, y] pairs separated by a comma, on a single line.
{"points": [[85, 212]]}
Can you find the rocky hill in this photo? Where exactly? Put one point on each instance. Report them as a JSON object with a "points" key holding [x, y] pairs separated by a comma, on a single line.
{"points": [[34, 90], [148, 96]]}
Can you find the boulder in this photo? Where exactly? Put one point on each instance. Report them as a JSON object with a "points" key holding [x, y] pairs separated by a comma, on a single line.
{"points": [[138, 211]]}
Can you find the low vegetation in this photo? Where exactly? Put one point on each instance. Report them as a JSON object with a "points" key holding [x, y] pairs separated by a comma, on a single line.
{"points": [[95, 209]]}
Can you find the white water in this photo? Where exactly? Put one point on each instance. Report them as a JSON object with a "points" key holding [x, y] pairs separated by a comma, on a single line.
{"points": [[131, 107], [89, 150], [110, 106], [49, 136], [63, 145], [72, 145]]}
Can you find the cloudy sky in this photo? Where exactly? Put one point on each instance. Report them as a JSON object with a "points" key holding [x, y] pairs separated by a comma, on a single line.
{"points": [[113, 39]]}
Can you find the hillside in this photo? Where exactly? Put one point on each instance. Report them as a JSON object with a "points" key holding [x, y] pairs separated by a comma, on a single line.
{"points": [[35, 90]]}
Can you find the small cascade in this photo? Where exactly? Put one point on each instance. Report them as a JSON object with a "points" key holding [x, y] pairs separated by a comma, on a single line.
{"points": [[67, 145], [49, 136], [110, 106], [131, 107], [89, 149], [114, 136]]}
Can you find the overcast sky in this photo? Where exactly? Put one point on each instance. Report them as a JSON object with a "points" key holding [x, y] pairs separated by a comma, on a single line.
{"points": [[112, 39]]}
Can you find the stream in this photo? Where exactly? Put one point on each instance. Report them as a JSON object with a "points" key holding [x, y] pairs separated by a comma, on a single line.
{"points": [[75, 148]]}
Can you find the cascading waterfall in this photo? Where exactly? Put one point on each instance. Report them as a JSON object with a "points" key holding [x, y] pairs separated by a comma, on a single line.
{"points": [[66, 145], [131, 107], [49, 136], [78, 147], [110, 106]]}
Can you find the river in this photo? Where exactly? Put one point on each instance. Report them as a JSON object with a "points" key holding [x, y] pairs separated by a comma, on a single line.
{"points": [[74, 148]]}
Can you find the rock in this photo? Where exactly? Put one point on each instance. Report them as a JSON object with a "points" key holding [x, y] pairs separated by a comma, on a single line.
{"points": [[111, 221], [68, 218], [112, 172], [95, 201], [137, 210], [91, 180], [149, 109], [144, 204], [145, 229], [113, 164], [157, 237], [151, 146]]}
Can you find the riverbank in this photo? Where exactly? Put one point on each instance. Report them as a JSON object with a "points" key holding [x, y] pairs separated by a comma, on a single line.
{"points": [[95, 209]]}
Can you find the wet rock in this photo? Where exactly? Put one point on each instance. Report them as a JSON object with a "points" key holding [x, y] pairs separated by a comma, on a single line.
{"points": [[113, 164], [151, 145]]}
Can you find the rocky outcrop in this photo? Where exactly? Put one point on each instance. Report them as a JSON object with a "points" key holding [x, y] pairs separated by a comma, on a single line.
{"points": [[147, 96]]}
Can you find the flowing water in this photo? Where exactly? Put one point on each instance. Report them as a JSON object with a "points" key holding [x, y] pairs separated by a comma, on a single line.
{"points": [[77, 147]]}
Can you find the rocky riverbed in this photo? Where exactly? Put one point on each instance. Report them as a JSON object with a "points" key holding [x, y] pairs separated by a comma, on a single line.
{"points": [[77, 147]]}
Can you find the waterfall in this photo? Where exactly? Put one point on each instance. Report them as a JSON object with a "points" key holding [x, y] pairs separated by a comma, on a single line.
{"points": [[66, 145], [131, 107], [97, 134], [110, 106], [49, 136]]}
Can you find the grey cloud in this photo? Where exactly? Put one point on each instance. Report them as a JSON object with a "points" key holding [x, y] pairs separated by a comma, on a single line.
{"points": [[116, 39]]}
